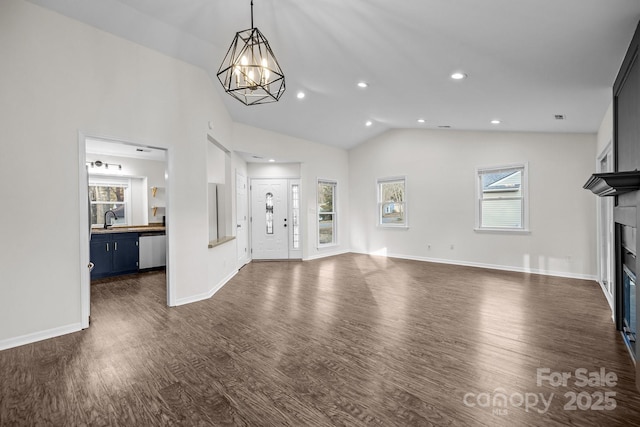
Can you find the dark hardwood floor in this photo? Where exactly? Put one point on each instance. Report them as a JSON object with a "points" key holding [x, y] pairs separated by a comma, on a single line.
{"points": [[348, 340]]}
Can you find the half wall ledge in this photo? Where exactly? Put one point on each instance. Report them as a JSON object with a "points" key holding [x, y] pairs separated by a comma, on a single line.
{"points": [[220, 241]]}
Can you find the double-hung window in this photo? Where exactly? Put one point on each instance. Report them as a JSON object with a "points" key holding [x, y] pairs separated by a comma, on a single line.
{"points": [[109, 194], [327, 213], [502, 202], [392, 202]]}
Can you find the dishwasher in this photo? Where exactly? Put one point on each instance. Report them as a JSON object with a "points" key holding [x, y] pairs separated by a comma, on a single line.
{"points": [[153, 250]]}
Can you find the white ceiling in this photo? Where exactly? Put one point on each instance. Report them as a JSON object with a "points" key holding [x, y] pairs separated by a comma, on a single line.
{"points": [[526, 60]]}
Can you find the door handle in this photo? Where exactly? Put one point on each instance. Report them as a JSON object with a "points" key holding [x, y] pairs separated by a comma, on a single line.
{"points": [[115, 246]]}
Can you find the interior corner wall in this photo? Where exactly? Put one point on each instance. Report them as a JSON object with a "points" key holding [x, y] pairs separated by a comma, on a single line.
{"points": [[605, 132], [60, 77], [440, 167], [316, 161]]}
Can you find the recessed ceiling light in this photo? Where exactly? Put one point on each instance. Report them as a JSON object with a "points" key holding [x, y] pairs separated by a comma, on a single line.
{"points": [[458, 76], [363, 84], [300, 95], [495, 122], [420, 120], [369, 123], [271, 160]]}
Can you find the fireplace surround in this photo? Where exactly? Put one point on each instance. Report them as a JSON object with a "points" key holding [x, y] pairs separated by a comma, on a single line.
{"points": [[624, 184]]}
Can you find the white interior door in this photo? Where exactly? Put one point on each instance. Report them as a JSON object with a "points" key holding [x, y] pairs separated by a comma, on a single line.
{"points": [[242, 216], [269, 215]]}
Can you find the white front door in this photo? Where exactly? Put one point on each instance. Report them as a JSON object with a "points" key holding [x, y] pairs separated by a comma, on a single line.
{"points": [[242, 216], [269, 215]]}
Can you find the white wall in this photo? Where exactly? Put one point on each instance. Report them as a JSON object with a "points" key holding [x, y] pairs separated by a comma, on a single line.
{"points": [[222, 260], [440, 169], [605, 133], [316, 161], [274, 170], [59, 77], [215, 164]]}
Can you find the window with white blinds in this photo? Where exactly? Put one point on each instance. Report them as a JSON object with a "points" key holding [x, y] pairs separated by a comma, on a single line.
{"points": [[502, 198]]}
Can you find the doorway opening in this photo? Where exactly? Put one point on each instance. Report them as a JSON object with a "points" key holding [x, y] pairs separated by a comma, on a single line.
{"points": [[606, 235], [275, 219], [123, 193]]}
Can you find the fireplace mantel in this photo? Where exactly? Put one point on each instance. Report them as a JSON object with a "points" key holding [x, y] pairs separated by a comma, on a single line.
{"points": [[613, 183]]}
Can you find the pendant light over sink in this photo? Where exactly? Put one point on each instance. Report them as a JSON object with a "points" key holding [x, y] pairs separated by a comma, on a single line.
{"points": [[250, 71]]}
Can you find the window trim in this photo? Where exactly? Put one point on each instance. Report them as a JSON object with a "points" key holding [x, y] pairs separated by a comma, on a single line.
{"points": [[379, 182], [524, 166], [334, 213]]}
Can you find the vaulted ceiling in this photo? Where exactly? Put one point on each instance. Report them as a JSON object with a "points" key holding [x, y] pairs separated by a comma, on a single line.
{"points": [[526, 61]]}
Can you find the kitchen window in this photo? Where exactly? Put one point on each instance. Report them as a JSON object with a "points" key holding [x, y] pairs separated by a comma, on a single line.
{"points": [[502, 199], [109, 195]]}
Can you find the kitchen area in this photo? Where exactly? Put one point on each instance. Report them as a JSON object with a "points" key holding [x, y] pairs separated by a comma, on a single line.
{"points": [[127, 208]]}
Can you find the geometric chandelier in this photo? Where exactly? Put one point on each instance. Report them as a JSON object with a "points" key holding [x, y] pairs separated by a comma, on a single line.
{"points": [[250, 71]]}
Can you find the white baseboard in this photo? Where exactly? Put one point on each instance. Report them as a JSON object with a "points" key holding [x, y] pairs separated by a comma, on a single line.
{"points": [[491, 266], [39, 336], [207, 295], [325, 255]]}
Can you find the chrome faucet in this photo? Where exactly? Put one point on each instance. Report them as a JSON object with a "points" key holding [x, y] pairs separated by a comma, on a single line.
{"points": [[105, 217]]}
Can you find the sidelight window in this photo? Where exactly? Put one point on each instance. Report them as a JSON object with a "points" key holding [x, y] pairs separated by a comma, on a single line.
{"points": [[295, 214]]}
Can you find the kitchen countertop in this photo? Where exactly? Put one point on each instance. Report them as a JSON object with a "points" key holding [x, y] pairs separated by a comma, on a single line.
{"points": [[131, 229]]}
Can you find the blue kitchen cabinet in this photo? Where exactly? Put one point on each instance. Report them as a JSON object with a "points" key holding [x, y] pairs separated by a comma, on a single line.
{"points": [[114, 254], [125, 253], [100, 248]]}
